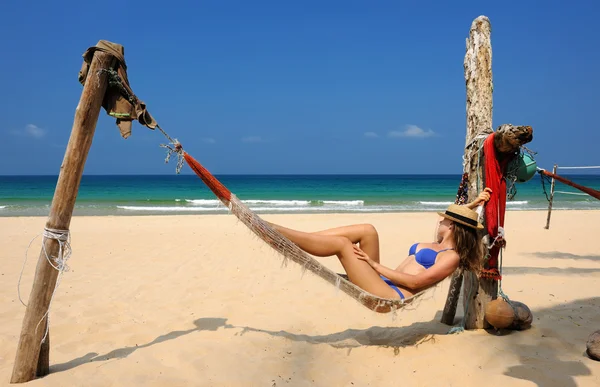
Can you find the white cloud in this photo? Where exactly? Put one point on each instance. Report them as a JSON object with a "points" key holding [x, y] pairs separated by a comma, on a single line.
{"points": [[412, 131], [30, 130], [209, 140], [34, 131], [252, 139], [371, 134]]}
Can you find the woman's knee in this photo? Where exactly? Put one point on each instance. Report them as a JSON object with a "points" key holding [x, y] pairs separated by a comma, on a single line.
{"points": [[345, 247], [369, 230]]}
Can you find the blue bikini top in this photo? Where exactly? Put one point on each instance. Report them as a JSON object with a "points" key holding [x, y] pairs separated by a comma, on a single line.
{"points": [[426, 256]]}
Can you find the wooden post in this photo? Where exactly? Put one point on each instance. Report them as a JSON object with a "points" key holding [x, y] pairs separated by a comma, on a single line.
{"points": [[477, 294], [478, 79], [86, 116], [507, 140], [43, 365], [551, 198], [452, 300]]}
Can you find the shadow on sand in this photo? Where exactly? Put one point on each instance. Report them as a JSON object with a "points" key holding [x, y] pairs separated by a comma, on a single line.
{"points": [[561, 255], [549, 270], [548, 350], [202, 324], [540, 358], [389, 337]]}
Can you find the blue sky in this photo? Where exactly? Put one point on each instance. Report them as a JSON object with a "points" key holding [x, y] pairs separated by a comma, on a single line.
{"points": [[299, 87]]}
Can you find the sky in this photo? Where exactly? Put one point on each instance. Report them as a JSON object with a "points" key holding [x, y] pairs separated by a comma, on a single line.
{"points": [[305, 87]]}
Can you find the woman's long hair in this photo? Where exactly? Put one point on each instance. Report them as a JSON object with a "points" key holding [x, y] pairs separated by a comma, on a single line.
{"points": [[468, 246]]}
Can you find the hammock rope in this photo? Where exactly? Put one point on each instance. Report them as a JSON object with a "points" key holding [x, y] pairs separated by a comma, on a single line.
{"points": [[288, 249], [273, 238]]}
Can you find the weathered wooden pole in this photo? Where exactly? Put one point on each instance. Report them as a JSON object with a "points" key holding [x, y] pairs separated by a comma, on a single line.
{"points": [[478, 79], [43, 365], [29, 362], [452, 300], [479, 82], [506, 142], [551, 198]]}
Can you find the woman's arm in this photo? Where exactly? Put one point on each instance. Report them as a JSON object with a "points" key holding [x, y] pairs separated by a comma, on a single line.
{"points": [[484, 196], [436, 273], [442, 269], [407, 280]]}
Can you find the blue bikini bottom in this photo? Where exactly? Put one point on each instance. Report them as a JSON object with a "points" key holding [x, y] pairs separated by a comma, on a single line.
{"points": [[392, 285]]}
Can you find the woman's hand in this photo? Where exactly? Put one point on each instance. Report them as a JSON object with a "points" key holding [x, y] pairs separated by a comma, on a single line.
{"points": [[484, 196], [363, 256]]}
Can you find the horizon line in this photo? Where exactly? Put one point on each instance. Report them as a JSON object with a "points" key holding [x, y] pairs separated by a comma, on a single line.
{"points": [[274, 174]]}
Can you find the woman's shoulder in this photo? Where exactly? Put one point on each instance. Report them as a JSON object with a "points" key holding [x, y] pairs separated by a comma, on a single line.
{"points": [[448, 254], [431, 245], [427, 245]]}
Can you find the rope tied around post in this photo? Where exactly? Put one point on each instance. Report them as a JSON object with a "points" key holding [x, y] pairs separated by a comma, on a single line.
{"points": [[58, 263]]}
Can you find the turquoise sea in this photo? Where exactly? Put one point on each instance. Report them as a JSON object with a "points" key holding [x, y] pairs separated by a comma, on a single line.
{"points": [[186, 194]]}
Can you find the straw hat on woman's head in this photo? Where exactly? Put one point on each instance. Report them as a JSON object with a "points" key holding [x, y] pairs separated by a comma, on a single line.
{"points": [[463, 215]]}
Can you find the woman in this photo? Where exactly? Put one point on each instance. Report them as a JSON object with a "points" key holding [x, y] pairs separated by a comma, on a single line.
{"points": [[357, 247]]}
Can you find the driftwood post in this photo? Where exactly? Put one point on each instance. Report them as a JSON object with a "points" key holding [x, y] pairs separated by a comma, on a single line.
{"points": [[478, 79], [452, 300], [551, 199], [29, 362], [507, 140]]}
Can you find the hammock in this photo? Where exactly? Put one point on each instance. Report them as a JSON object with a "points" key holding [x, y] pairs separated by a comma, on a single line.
{"points": [[287, 248]]}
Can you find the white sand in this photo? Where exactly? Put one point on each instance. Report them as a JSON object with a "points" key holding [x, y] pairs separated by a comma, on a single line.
{"points": [[200, 301]]}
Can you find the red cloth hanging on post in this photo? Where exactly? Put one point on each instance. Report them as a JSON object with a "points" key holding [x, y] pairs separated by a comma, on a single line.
{"points": [[495, 207]]}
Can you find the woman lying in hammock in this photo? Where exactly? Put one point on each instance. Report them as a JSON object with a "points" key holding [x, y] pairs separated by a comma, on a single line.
{"points": [[357, 247]]}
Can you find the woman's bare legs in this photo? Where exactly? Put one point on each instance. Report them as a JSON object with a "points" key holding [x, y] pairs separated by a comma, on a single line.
{"points": [[359, 272], [364, 234]]}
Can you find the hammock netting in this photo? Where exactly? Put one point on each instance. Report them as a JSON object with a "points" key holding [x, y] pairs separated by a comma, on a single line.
{"points": [[288, 249]]}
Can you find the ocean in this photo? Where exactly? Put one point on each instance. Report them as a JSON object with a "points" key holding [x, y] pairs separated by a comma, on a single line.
{"points": [[186, 194]]}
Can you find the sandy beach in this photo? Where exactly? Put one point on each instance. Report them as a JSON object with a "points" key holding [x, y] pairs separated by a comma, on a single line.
{"points": [[200, 301]]}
